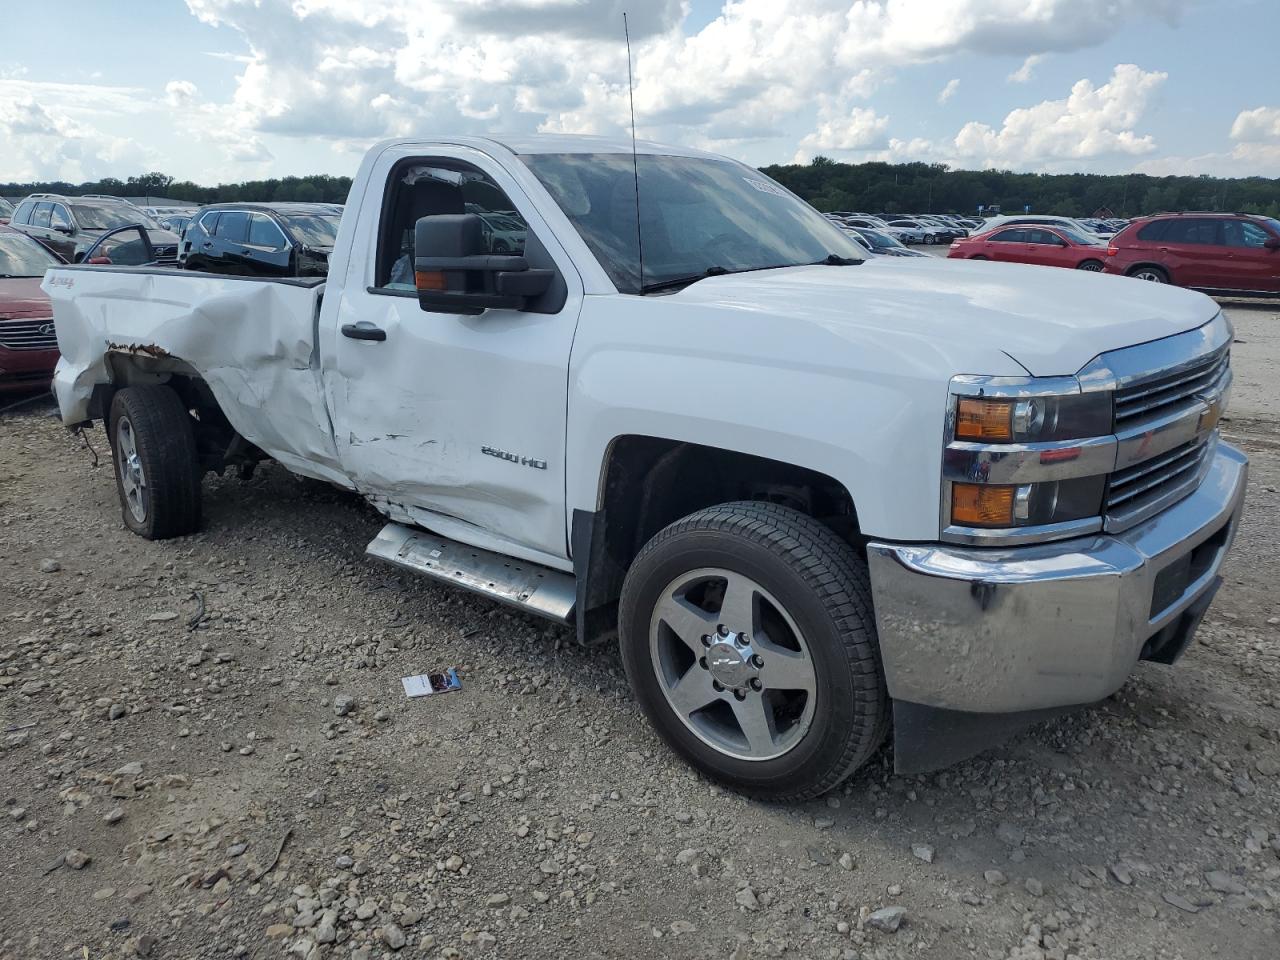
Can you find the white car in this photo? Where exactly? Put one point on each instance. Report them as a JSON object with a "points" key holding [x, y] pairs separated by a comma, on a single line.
{"points": [[821, 496], [992, 223]]}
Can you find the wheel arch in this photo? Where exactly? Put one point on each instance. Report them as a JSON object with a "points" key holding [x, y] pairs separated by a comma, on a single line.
{"points": [[647, 483]]}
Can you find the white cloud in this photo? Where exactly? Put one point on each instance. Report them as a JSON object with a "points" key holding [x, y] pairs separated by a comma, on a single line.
{"points": [[949, 90], [334, 75], [1023, 73], [180, 93], [1262, 123], [861, 129], [1091, 122], [45, 137]]}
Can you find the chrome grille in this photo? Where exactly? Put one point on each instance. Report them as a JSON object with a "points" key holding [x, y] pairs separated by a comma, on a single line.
{"points": [[35, 334], [1159, 394], [1151, 481]]}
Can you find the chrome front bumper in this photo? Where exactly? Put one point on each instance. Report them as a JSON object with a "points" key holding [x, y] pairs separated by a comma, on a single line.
{"points": [[1017, 629]]}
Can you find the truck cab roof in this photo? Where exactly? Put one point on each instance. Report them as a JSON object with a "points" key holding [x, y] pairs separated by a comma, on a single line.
{"points": [[532, 143]]}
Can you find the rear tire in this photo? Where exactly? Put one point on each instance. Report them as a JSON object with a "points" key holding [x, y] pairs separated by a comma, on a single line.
{"points": [[748, 636], [1150, 274], [1091, 266], [978, 256], [157, 469]]}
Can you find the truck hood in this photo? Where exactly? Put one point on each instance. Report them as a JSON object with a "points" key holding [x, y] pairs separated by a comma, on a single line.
{"points": [[1052, 321]]}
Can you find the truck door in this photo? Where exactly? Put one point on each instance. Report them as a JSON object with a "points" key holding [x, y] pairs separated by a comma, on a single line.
{"points": [[444, 415], [1246, 262]]}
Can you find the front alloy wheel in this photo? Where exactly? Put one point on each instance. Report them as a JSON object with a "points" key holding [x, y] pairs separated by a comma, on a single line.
{"points": [[748, 637], [740, 678]]}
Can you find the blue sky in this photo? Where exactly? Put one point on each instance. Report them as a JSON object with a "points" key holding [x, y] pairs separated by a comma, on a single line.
{"points": [[227, 89]]}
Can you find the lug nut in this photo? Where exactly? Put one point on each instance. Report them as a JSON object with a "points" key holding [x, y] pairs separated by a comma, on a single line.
{"points": [[756, 684], [706, 640], [702, 662], [722, 630], [717, 686], [738, 694], [740, 640], [757, 661]]}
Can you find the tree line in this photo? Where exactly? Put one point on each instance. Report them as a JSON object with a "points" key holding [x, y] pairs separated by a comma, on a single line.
{"points": [[935, 187], [826, 183], [317, 188]]}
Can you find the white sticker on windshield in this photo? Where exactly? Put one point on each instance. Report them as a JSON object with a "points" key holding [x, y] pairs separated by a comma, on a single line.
{"points": [[765, 186]]}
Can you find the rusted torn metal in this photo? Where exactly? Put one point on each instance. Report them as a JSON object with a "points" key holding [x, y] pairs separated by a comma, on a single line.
{"points": [[150, 349]]}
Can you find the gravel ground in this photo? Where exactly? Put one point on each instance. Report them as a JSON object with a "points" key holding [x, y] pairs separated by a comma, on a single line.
{"points": [[206, 753]]}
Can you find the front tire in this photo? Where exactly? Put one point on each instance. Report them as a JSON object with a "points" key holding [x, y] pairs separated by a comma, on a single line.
{"points": [[157, 467], [1090, 266], [748, 636]]}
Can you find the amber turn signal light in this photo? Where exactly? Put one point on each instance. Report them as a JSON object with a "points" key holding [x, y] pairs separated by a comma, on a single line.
{"points": [[429, 280], [978, 419], [980, 505]]}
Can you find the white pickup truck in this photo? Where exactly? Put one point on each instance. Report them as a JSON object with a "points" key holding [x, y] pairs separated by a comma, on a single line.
{"points": [[820, 497]]}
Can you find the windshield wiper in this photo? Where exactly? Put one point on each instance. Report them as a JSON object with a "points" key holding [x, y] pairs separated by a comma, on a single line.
{"points": [[835, 260], [683, 281]]}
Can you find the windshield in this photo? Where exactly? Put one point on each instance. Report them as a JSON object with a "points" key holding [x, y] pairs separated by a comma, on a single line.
{"points": [[696, 215], [878, 240], [110, 216], [314, 231], [23, 257], [6, 208]]}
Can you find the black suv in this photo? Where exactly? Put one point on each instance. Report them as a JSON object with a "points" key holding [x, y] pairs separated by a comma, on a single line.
{"points": [[261, 239], [69, 224]]}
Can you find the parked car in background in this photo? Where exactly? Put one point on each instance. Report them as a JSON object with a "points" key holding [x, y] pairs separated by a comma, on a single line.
{"points": [[6, 210], [67, 224], [946, 230], [133, 246], [28, 341], [1220, 253], [261, 239], [882, 243], [176, 222], [866, 221], [927, 233], [1048, 246], [1044, 219]]}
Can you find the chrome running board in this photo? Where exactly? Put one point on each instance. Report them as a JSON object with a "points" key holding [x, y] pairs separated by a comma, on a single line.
{"points": [[518, 583]]}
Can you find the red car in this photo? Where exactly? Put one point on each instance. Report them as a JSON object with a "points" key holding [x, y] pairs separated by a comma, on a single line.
{"points": [[1224, 253], [1050, 246], [28, 344]]}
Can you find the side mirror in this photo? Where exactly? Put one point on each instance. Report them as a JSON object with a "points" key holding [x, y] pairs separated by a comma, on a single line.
{"points": [[77, 256], [460, 276], [63, 228]]}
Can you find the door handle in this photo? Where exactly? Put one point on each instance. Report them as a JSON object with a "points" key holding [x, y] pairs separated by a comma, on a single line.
{"points": [[207, 243], [363, 330]]}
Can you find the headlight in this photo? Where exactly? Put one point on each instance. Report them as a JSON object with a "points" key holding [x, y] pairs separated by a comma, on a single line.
{"points": [[1026, 459], [1033, 419]]}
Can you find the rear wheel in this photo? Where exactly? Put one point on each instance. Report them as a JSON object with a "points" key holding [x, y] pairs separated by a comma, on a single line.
{"points": [[1091, 266], [978, 256], [1150, 274], [748, 636], [157, 468]]}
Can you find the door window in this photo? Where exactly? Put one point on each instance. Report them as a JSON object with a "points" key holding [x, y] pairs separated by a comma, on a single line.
{"points": [[1196, 231], [263, 232], [1044, 238], [429, 187], [127, 248], [1153, 232], [1242, 233], [40, 218], [23, 213], [233, 226], [1010, 236], [58, 217], [209, 223]]}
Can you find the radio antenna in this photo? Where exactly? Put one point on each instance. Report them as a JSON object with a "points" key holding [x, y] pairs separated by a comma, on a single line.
{"points": [[635, 163]]}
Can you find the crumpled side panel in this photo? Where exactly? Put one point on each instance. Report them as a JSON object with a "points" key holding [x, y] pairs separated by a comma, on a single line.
{"points": [[253, 342]]}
